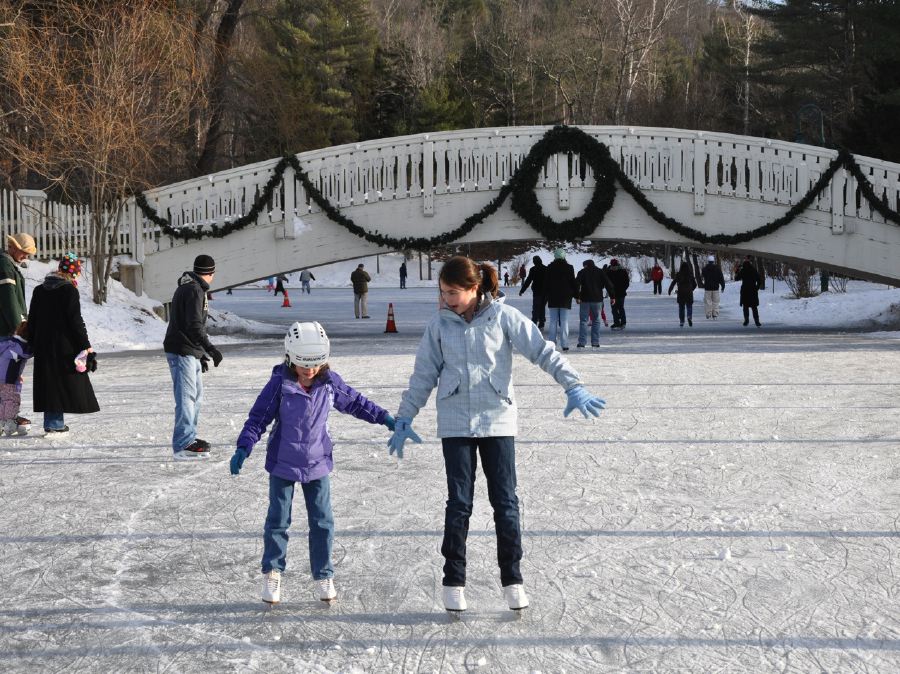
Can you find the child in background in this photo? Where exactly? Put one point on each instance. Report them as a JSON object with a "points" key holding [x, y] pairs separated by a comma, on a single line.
{"points": [[466, 352], [14, 355], [298, 397]]}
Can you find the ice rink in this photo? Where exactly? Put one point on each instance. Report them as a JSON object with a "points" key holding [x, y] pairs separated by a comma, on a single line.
{"points": [[736, 508]]}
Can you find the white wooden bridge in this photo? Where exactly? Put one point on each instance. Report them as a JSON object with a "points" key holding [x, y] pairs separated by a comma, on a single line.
{"points": [[426, 185]]}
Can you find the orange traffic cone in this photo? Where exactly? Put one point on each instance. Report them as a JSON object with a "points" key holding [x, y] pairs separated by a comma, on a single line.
{"points": [[391, 326], [287, 300]]}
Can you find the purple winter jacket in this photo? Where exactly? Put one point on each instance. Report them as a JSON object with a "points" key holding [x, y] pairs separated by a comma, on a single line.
{"points": [[299, 448]]}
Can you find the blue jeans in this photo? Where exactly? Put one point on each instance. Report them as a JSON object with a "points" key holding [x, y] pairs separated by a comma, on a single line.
{"points": [[305, 287], [558, 320], [54, 421], [188, 387], [589, 311], [498, 459], [317, 495], [690, 311]]}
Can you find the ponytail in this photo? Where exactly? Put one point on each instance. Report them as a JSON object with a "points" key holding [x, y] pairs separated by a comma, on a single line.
{"points": [[463, 272]]}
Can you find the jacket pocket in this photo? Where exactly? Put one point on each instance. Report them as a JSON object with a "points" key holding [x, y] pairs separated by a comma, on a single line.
{"points": [[501, 388], [448, 385]]}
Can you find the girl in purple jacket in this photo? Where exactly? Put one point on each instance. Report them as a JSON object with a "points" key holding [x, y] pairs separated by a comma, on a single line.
{"points": [[298, 398]]}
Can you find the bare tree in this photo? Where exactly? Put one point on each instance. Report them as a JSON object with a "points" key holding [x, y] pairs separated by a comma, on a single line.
{"points": [[98, 94], [642, 25]]}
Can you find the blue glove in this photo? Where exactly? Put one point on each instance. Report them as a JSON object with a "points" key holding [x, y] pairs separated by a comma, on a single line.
{"points": [[402, 432], [389, 422], [583, 401], [237, 460]]}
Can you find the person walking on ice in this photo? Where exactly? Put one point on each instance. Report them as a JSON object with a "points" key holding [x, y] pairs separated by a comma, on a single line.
{"points": [[298, 397], [305, 277], [713, 286], [466, 353]]}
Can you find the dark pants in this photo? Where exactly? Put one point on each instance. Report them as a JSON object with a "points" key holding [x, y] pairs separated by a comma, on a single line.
{"points": [[498, 461], [618, 311], [755, 315], [690, 311], [539, 309], [657, 287]]}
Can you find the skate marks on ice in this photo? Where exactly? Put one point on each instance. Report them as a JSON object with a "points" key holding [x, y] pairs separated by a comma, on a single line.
{"points": [[747, 525]]}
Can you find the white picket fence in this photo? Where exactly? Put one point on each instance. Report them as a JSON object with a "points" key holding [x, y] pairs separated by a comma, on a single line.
{"points": [[55, 226]]}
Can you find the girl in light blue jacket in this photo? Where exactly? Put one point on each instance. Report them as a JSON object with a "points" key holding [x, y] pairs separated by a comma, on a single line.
{"points": [[466, 353]]}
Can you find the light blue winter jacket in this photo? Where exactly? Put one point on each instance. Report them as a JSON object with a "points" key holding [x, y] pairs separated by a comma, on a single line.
{"points": [[471, 366]]}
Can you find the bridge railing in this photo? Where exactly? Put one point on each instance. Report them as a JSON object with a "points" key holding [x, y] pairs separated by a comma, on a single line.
{"points": [[474, 160]]}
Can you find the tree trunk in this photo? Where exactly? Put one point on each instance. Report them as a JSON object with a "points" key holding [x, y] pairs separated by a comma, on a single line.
{"points": [[218, 85]]}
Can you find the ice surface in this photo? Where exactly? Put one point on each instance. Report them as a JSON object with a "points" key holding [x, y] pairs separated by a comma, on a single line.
{"points": [[735, 508]]}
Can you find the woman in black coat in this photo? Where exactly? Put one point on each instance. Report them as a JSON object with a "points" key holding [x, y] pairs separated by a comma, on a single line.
{"points": [[57, 336], [750, 281], [686, 284]]}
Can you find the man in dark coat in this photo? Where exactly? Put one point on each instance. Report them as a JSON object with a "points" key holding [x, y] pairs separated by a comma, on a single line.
{"points": [[186, 345], [537, 279], [57, 335], [750, 283], [591, 282], [561, 289], [360, 279], [620, 279], [713, 285], [403, 274]]}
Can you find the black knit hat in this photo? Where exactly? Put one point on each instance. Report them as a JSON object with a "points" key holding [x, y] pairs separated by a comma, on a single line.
{"points": [[204, 264]]}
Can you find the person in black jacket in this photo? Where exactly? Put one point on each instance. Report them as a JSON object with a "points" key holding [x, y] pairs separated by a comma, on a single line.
{"points": [[686, 284], [620, 279], [537, 279], [187, 345], [713, 283], [60, 343], [591, 282], [750, 283], [561, 290]]}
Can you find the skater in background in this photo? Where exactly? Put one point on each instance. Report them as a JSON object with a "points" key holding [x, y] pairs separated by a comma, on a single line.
{"points": [[506, 279], [620, 279], [13, 308], [591, 282], [279, 285], [360, 279], [522, 275], [14, 355], [537, 279], [713, 285], [686, 284], [561, 290], [305, 277], [750, 283], [62, 350], [656, 275], [476, 415], [403, 274], [270, 284], [298, 397]]}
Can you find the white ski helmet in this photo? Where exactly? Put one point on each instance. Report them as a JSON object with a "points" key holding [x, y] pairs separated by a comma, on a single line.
{"points": [[306, 345]]}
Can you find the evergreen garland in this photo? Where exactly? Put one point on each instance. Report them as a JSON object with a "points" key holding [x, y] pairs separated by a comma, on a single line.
{"points": [[560, 139]]}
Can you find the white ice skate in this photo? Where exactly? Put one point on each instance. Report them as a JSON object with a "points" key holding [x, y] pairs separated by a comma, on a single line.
{"points": [[23, 425], [454, 599], [516, 597], [8, 427], [271, 589], [325, 588]]}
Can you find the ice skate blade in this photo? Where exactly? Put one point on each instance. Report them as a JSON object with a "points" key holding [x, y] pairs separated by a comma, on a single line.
{"points": [[271, 603], [329, 602]]}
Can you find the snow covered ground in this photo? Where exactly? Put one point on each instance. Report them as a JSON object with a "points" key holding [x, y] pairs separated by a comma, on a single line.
{"points": [[734, 509]]}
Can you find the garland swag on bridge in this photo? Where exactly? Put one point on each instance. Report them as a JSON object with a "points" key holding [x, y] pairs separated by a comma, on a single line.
{"points": [[560, 139]]}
